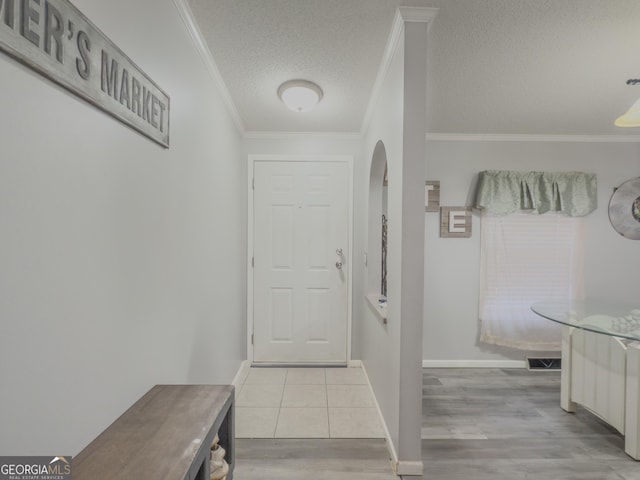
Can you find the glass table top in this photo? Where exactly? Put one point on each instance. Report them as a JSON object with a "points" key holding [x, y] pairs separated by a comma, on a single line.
{"points": [[609, 318]]}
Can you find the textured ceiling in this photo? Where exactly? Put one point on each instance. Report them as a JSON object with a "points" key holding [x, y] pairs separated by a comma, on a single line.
{"points": [[533, 67]]}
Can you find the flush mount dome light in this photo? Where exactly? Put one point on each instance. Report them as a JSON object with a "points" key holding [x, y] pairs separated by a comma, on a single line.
{"points": [[300, 95]]}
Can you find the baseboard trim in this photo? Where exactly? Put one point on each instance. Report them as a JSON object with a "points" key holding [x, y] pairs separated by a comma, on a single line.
{"points": [[387, 436], [241, 374], [409, 468], [474, 364]]}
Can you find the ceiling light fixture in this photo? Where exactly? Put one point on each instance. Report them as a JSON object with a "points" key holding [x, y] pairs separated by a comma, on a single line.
{"points": [[300, 95], [632, 117]]}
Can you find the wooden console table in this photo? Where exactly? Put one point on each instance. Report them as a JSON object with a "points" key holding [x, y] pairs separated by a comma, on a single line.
{"points": [[167, 434], [601, 362]]}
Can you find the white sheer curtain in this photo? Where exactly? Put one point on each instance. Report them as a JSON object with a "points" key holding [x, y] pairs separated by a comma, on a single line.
{"points": [[526, 258]]}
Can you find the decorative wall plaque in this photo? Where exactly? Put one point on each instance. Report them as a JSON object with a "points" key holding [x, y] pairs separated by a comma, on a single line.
{"points": [[55, 39], [455, 222], [432, 195], [624, 209]]}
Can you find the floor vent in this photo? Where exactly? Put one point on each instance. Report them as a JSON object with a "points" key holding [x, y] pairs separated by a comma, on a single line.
{"points": [[535, 363]]}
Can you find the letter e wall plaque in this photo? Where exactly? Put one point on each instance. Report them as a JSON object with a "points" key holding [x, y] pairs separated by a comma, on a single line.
{"points": [[432, 195], [455, 222]]}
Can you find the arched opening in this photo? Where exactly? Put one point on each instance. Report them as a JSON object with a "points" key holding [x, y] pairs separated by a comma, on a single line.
{"points": [[377, 231]]}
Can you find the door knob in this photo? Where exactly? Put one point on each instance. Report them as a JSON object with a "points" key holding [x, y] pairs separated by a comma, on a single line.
{"points": [[340, 257]]}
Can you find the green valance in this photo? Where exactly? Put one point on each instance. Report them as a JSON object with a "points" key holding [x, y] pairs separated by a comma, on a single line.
{"points": [[507, 191]]}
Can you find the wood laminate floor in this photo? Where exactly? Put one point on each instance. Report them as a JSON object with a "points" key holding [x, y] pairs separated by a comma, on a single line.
{"points": [[477, 424], [507, 424], [312, 459]]}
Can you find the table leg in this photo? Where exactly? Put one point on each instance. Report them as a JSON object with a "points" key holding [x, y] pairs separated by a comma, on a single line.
{"points": [[565, 373]]}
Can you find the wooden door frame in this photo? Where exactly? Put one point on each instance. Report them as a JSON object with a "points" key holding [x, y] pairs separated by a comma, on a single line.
{"points": [[252, 160]]}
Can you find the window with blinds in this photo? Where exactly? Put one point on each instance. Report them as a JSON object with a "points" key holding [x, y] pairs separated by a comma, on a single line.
{"points": [[527, 258]]}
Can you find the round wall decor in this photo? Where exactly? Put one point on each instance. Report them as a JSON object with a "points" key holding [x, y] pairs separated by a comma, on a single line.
{"points": [[624, 209]]}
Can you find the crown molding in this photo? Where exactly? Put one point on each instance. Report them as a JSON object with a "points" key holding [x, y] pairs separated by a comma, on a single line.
{"points": [[418, 14], [350, 136], [383, 70], [403, 14], [203, 50], [481, 137]]}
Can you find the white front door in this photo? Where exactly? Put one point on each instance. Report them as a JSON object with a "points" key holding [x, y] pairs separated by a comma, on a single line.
{"points": [[301, 247]]}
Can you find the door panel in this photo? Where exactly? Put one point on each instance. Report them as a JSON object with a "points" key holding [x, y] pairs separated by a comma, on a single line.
{"points": [[300, 294], [281, 315]]}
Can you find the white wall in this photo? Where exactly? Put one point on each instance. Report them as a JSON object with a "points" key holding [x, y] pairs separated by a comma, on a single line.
{"points": [[121, 263], [391, 352], [612, 262], [379, 344]]}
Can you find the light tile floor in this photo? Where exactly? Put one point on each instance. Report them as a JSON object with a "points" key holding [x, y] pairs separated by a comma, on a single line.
{"points": [[306, 403]]}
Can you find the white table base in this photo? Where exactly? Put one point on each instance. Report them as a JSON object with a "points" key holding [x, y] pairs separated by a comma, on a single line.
{"points": [[602, 373]]}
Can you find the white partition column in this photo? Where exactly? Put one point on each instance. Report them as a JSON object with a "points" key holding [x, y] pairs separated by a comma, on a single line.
{"points": [[412, 246], [391, 350]]}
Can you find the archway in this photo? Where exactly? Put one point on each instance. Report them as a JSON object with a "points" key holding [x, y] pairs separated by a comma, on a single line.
{"points": [[378, 218]]}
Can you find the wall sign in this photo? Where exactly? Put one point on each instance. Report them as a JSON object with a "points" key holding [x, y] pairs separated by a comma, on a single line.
{"points": [[432, 195], [624, 209], [455, 222], [54, 38]]}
